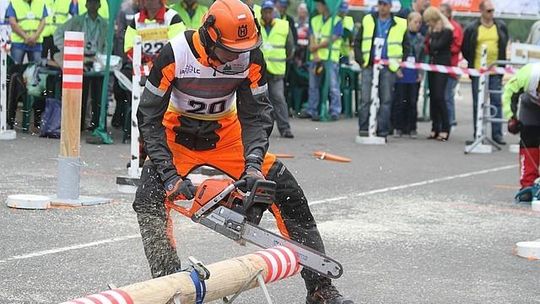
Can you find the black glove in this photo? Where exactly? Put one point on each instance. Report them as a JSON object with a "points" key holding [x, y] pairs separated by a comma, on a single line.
{"points": [[178, 188], [251, 174], [514, 125]]}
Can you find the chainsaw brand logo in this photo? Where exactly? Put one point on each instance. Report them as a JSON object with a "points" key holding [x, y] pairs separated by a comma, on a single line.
{"points": [[242, 31]]}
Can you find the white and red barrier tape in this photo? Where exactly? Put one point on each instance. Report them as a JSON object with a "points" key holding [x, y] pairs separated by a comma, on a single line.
{"points": [[281, 262], [73, 60], [450, 69], [115, 296]]}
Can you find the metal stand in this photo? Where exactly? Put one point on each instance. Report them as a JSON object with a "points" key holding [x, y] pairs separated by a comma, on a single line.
{"points": [[257, 276], [5, 133], [483, 116], [372, 138], [129, 184]]}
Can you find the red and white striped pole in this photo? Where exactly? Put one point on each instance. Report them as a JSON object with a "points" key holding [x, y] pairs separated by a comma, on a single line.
{"points": [[226, 278], [70, 136]]}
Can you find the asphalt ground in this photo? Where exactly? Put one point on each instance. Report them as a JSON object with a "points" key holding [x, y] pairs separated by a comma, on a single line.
{"points": [[413, 221]]}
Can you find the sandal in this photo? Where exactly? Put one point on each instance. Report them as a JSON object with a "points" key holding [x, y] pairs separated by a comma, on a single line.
{"points": [[432, 135], [443, 136]]}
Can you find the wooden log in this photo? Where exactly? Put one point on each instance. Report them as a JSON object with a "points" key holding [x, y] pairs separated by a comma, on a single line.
{"points": [[226, 278]]}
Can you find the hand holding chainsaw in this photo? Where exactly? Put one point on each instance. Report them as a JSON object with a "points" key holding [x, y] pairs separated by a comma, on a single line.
{"points": [[178, 188]]}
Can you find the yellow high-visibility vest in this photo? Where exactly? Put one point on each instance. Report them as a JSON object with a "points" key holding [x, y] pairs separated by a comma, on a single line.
{"points": [[323, 31], [57, 14], [28, 17], [191, 23], [348, 24], [273, 47], [394, 40]]}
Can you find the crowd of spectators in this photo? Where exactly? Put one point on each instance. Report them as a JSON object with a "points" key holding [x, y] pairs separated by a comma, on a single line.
{"points": [[313, 51]]}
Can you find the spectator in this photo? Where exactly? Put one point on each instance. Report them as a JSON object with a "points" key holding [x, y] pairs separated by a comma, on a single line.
{"points": [[27, 20], [282, 6], [438, 44], [455, 51], [302, 31], [323, 35], [59, 12], [128, 9], [393, 30], [534, 34], [94, 28], [407, 86], [277, 47], [191, 12], [421, 6], [493, 33], [103, 9], [348, 32]]}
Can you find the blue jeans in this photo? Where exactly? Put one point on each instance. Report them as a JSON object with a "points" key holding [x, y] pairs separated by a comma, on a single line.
{"points": [[449, 97], [17, 54], [386, 92], [314, 93], [495, 83]]}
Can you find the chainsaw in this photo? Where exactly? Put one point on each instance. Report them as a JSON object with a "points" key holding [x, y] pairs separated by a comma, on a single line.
{"points": [[220, 205]]}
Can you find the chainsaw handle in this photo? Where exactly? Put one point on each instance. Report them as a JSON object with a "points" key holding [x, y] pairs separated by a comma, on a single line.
{"points": [[239, 183]]}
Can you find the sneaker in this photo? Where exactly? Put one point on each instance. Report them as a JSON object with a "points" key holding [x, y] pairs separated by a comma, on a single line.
{"points": [[398, 133], [334, 117], [413, 134], [363, 133], [287, 134], [326, 295], [525, 195]]}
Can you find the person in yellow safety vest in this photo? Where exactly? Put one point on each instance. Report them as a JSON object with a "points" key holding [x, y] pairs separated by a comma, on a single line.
{"points": [[156, 24], [103, 9], [324, 45], [27, 20], [58, 12], [277, 48], [191, 12], [392, 30], [521, 105], [348, 29]]}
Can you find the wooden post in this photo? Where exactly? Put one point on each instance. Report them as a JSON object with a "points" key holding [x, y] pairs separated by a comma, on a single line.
{"points": [[70, 136], [226, 278]]}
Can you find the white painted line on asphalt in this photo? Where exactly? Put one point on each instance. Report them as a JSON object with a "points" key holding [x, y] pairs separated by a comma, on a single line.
{"points": [[328, 200], [417, 184], [69, 248]]}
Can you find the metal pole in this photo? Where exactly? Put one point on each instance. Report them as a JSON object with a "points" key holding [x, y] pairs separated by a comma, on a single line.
{"points": [[135, 97], [4, 43]]}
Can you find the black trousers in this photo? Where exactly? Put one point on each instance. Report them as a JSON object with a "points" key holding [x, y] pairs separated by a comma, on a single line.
{"points": [[48, 48], [437, 104], [94, 86], [161, 253], [404, 108], [530, 136]]}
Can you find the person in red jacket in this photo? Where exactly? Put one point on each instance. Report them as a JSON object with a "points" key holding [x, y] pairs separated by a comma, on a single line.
{"points": [[455, 51]]}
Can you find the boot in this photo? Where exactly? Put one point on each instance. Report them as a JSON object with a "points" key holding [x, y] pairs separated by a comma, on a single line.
{"points": [[529, 159], [327, 294]]}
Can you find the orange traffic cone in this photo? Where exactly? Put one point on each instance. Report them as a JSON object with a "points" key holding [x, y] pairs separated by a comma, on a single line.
{"points": [[328, 156]]}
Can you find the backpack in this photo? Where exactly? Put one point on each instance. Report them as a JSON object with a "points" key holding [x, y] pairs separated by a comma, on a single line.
{"points": [[51, 118]]}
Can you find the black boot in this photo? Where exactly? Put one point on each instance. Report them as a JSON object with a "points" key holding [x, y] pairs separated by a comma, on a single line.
{"points": [[327, 294]]}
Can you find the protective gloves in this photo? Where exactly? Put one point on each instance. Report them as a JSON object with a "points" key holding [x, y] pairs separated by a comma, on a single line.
{"points": [[178, 188], [514, 125], [252, 173]]}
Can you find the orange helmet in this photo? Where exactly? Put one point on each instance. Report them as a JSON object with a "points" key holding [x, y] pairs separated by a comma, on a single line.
{"points": [[231, 25]]}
